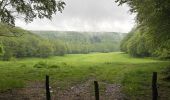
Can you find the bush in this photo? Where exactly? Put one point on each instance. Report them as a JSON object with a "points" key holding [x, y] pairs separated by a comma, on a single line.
{"points": [[54, 66], [7, 56], [1, 50], [23, 65], [41, 65], [166, 73]]}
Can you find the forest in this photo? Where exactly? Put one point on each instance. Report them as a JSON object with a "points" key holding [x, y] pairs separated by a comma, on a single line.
{"points": [[85, 42], [54, 43], [27, 45], [151, 35]]}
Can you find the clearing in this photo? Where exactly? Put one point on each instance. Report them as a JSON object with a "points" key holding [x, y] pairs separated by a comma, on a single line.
{"points": [[71, 76]]}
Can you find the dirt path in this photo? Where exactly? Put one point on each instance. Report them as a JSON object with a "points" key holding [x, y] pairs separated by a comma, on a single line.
{"points": [[33, 91], [85, 91]]}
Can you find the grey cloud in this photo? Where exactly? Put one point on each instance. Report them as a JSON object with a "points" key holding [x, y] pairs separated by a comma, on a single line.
{"points": [[86, 15]]}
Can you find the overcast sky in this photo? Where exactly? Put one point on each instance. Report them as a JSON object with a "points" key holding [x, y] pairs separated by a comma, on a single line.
{"points": [[86, 15]]}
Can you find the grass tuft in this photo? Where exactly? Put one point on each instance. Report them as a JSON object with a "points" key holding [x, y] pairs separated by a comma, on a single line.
{"points": [[41, 65]]}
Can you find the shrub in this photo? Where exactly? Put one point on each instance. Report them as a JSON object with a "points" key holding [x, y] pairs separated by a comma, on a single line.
{"points": [[54, 66], [41, 65], [166, 73]]}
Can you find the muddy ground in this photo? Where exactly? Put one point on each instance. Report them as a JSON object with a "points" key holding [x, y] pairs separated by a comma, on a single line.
{"points": [[84, 91]]}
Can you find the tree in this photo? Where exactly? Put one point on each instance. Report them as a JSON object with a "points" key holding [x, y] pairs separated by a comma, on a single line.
{"points": [[10, 31], [153, 22], [153, 14], [28, 9], [1, 49]]}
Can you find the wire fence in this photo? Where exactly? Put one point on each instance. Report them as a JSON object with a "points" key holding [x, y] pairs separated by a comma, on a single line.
{"points": [[83, 91], [90, 90]]}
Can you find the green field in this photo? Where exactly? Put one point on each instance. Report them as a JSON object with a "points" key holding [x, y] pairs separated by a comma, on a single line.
{"points": [[134, 74]]}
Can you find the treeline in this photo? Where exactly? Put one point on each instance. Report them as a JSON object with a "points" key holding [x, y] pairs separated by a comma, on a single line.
{"points": [[84, 42], [26, 45], [17, 43], [139, 43], [151, 36]]}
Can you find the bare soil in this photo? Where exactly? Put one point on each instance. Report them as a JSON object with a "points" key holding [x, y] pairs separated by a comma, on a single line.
{"points": [[84, 91]]}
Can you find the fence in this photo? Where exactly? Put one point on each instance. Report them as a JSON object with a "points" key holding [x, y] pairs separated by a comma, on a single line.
{"points": [[154, 86], [96, 88], [88, 91], [94, 92]]}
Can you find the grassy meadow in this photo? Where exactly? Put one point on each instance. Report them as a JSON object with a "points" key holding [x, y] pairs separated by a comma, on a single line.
{"points": [[134, 74]]}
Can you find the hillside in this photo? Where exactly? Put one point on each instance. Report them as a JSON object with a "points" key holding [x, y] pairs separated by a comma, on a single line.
{"points": [[85, 42], [54, 43], [16, 43]]}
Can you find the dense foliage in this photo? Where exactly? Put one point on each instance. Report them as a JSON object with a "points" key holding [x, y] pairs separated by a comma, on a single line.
{"points": [[17, 43], [85, 42], [139, 43], [152, 35], [28, 9], [27, 45]]}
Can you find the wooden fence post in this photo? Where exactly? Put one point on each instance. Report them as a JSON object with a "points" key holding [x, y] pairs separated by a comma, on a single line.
{"points": [[154, 86], [96, 87], [48, 97]]}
